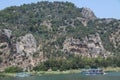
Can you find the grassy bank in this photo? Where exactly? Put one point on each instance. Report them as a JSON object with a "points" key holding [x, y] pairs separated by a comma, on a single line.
{"points": [[56, 72], [41, 73], [7, 74], [108, 69], [112, 69]]}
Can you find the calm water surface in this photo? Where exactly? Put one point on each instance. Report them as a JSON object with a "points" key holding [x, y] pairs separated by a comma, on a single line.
{"points": [[108, 76]]}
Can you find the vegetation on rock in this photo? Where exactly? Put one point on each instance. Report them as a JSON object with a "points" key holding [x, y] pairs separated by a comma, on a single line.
{"points": [[49, 35], [13, 69]]}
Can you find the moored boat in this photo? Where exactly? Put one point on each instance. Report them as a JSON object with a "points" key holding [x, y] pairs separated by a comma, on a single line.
{"points": [[92, 71], [23, 74]]}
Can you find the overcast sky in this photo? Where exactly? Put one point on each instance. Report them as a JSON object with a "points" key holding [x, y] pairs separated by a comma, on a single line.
{"points": [[101, 8]]}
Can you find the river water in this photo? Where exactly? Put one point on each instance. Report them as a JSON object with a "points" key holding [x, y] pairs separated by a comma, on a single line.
{"points": [[108, 76]]}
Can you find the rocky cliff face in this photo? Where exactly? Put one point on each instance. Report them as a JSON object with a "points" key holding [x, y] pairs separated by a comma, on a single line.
{"points": [[4, 46], [90, 46], [18, 52], [26, 44], [88, 13], [115, 38], [87, 16]]}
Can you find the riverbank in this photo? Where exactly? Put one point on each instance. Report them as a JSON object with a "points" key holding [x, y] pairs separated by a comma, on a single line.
{"points": [[111, 69], [41, 73], [108, 69], [2, 74], [56, 72]]}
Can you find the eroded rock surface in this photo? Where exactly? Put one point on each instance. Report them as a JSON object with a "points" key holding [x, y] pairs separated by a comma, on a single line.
{"points": [[90, 46]]}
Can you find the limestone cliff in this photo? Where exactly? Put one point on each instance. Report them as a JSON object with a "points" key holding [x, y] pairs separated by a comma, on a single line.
{"points": [[90, 46], [20, 53], [88, 13]]}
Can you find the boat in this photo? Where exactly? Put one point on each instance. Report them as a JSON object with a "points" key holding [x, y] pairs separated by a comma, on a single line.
{"points": [[92, 71], [23, 74]]}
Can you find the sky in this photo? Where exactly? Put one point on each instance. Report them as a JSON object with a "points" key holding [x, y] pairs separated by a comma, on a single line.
{"points": [[101, 8]]}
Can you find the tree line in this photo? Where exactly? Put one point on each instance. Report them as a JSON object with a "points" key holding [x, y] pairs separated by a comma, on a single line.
{"points": [[78, 63]]}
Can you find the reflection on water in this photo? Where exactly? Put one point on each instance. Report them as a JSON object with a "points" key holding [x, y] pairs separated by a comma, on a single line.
{"points": [[108, 76]]}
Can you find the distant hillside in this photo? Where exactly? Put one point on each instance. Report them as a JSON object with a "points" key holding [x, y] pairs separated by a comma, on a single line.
{"points": [[35, 34]]}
